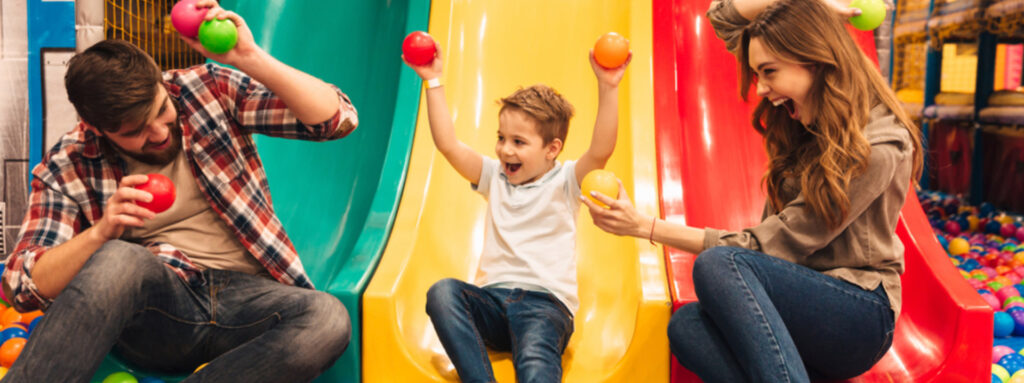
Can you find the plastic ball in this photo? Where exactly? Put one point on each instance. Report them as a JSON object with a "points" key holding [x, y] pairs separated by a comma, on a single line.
{"points": [[992, 301], [1000, 372], [952, 227], [1006, 292], [162, 189], [601, 181], [998, 352], [1018, 319], [871, 16], [11, 333], [120, 377], [419, 48], [1003, 324], [9, 316], [1012, 363], [611, 50], [10, 350], [993, 227], [959, 246], [1017, 377], [35, 322], [218, 36], [186, 17], [1008, 230]]}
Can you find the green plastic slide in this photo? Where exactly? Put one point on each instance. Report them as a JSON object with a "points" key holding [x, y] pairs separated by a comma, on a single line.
{"points": [[338, 199]]}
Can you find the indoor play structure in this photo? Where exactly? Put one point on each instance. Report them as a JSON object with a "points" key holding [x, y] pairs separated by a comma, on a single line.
{"points": [[380, 216]]}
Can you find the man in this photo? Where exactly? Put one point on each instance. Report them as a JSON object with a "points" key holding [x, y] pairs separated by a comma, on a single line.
{"points": [[214, 278]]}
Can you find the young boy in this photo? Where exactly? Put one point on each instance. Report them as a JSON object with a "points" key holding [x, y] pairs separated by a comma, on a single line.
{"points": [[525, 293]]}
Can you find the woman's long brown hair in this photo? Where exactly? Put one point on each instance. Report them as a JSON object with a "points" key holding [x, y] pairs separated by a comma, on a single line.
{"points": [[826, 154]]}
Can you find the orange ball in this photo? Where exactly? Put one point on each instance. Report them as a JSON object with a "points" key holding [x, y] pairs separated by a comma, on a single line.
{"points": [[9, 316], [29, 316], [10, 350], [611, 50]]}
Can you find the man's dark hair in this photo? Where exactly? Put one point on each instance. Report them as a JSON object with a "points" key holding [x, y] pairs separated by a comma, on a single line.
{"points": [[112, 82]]}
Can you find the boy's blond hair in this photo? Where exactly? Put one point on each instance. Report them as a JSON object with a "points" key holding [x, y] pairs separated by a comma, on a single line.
{"points": [[545, 106]]}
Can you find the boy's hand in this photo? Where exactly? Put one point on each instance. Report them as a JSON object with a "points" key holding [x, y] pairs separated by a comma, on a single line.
{"points": [[429, 71], [609, 77], [245, 49]]}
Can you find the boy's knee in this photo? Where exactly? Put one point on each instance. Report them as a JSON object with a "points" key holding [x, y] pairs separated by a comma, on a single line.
{"points": [[442, 293]]}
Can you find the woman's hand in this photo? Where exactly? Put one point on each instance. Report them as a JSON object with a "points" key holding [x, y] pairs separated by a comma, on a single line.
{"points": [[620, 218]]}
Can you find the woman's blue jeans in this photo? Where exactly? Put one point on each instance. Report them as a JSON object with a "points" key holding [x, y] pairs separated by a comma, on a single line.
{"points": [[762, 319]]}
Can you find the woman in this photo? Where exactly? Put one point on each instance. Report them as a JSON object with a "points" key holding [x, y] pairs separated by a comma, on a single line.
{"points": [[813, 291]]}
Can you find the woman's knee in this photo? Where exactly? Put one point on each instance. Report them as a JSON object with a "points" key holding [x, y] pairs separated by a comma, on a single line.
{"points": [[711, 265], [683, 320]]}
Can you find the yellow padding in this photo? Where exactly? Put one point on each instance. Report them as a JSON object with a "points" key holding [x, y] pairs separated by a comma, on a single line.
{"points": [[1006, 98], [954, 99], [911, 96]]}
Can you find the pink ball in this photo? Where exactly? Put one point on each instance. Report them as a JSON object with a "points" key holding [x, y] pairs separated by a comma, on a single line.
{"points": [[186, 18], [990, 272], [1006, 292], [1020, 234], [1000, 351], [992, 301]]}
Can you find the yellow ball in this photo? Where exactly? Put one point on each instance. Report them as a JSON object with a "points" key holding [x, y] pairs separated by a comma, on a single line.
{"points": [[1001, 372], [959, 246], [1017, 377], [601, 181]]}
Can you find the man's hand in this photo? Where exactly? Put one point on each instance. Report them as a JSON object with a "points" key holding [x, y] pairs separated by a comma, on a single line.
{"points": [[121, 210], [245, 49]]}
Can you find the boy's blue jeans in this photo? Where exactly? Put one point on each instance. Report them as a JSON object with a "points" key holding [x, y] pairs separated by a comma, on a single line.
{"points": [[249, 328], [763, 319], [534, 325]]}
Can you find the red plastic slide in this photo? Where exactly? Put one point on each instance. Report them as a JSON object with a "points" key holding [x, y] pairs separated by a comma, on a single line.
{"points": [[710, 163]]}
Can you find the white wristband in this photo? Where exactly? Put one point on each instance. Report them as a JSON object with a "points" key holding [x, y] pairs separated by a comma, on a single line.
{"points": [[433, 83]]}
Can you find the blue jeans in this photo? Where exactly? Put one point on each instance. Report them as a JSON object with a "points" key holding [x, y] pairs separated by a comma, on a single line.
{"points": [[534, 325], [249, 328], [763, 319]]}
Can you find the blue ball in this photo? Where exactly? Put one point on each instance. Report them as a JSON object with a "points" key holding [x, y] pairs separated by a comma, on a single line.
{"points": [[32, 326], [1012, 362], [993, 226], [986, 209], [1018, 322], [1003, 325], [964, 223], [12, 332], [945, 244]]}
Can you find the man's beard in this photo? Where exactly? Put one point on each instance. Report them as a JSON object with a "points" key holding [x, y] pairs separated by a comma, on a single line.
{"points": [[163, 157]]}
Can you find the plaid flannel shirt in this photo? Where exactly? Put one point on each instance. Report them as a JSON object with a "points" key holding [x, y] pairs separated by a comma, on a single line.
{"points": [[219, 110]]}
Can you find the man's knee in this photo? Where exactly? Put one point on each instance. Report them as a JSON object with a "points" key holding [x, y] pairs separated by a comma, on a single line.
{"points": [[118, 267], [331, 326]]}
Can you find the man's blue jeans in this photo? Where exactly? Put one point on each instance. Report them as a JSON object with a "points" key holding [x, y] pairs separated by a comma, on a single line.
{"points": [[763, 319], [534, 325], [249, 328]]}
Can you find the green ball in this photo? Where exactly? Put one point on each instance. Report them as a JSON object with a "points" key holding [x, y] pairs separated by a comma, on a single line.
{"points": [[1012, 300], [120, 377], [218, 36], [995, 286], [872, 13]]}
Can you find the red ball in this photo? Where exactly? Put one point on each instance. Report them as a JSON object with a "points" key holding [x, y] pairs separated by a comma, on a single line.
{"points": [[1008, 230], [419, 48], [952, 227], [162, 190]]}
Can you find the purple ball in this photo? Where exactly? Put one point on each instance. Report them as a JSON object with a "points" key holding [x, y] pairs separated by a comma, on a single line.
{"points": [[1018, 320]]}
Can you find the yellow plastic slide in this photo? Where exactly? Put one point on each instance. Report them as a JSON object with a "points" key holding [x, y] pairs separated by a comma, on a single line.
{"points": [[490, 49]]}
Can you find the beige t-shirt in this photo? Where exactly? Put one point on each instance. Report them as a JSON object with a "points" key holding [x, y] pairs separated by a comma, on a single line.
{"points": [[191, 225]]}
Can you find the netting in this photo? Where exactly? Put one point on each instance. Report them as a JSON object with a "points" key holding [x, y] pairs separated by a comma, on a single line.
{"points": [[147, 24]]}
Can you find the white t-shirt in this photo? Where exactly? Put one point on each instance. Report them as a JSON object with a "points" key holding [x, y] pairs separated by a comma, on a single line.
{"points": [[530, 231]]}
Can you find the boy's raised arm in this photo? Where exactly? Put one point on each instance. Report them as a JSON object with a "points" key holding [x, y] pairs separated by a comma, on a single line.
{"points": [[464, 159], [606, 126]]}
